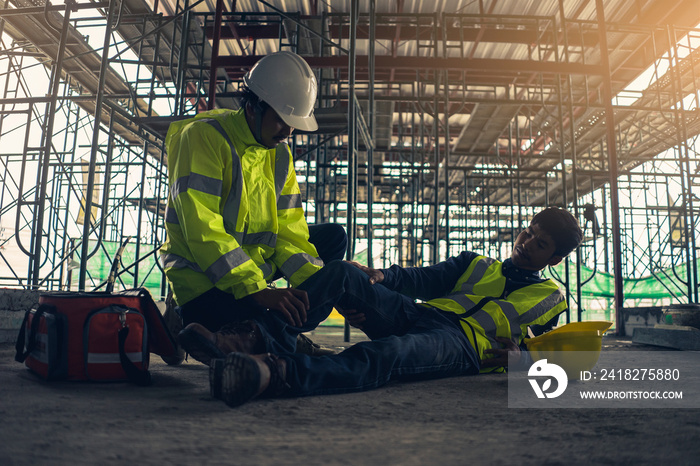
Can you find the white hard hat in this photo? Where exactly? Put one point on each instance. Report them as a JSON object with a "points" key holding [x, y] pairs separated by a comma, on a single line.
{"points": [[285, 82]]}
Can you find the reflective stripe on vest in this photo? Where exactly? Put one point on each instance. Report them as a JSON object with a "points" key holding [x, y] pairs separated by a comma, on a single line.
{"points": [[233, 200], [201, 183], [297, 261], [171, 214], [486, 321], [281, 168], [477, 274], [218, 270], [289, 201], [266, 238], [464, 294]]}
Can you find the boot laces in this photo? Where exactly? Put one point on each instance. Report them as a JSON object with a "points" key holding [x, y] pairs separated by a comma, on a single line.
{"points": [[278, 383], [237, 328]]}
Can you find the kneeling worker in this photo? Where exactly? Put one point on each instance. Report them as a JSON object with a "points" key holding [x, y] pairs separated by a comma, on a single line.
{"points": [[234, 216]]}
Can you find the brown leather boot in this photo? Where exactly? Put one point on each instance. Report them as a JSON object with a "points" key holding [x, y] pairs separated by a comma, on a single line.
{"points": [[242, 377], [306, 346], [236, 337]]}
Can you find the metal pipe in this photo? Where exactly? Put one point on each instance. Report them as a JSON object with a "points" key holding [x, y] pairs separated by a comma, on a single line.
{"points": [[612, 166], [372, 131], [211, 98], [352, 143], [38, 225], [684, 166], [94, 148]]}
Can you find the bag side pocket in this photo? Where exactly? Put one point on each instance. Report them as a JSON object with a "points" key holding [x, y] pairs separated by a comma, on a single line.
{"points": [[42, 343], [103, 357]]}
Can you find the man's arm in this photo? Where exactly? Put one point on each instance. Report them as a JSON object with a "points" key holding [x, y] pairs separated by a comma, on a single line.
{"points": [[294, 255], [425, 283], [498, 357]]}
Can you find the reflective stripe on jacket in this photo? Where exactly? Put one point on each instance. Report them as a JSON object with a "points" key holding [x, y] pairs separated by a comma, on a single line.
{"points": [[486, 312], [234, 215]]}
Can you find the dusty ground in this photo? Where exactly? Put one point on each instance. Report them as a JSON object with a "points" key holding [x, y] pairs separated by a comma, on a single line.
{"points": [[453, 421]]}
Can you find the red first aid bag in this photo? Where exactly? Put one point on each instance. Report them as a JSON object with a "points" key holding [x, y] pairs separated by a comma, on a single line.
{"points": [[93, 336]]}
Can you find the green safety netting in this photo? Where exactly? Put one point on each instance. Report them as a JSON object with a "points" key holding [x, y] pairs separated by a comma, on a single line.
{"points": [[99, 265], [664, 283]]}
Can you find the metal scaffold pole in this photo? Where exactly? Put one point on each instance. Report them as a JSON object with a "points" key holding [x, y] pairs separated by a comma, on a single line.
{"points": [[38, 225], [87, 223], [612, 167]]}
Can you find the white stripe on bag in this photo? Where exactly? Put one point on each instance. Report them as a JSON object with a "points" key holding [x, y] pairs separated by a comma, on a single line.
{"points": [[112, 358]]}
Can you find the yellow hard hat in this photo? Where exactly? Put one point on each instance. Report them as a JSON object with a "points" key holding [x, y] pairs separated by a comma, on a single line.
{"points": [[575, 346]]}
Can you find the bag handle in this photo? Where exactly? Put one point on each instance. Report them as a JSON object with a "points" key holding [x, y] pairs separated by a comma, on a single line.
{"points": [[115, 266], [20, 353], [134, 374]]}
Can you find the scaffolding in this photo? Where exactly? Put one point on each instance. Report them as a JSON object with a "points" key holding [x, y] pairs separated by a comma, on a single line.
{"points": [[439, 132]]}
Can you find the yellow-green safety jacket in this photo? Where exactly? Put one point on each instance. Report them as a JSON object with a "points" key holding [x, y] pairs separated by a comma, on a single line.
{"points": [[485, 313], [234, 215], [487, 297]]}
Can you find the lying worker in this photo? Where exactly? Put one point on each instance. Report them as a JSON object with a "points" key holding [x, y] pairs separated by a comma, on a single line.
{"points": [[476, 310]]}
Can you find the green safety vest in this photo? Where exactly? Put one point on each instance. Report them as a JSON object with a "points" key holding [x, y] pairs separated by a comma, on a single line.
{"points": [[485, 313], [234, 215]]}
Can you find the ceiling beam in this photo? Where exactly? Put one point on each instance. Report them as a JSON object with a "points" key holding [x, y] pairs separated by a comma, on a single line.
{"points": [[431, 63], [404, 32]]}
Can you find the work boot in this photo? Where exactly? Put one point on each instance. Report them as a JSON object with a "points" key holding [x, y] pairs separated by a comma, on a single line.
{"points": [[173, 322], [241, 377], [235, 337], [216, 369], [306, 346]]}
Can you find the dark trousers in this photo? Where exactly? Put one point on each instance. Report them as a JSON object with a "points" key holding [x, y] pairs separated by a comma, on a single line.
{"points": [[409, 341], [215, 308]]}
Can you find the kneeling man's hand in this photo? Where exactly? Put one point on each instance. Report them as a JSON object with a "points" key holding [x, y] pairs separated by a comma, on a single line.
{"points": [[290, 302]]}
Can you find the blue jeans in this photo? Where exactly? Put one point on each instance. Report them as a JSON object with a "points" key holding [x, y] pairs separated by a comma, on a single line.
{"points": [[408, 341]]}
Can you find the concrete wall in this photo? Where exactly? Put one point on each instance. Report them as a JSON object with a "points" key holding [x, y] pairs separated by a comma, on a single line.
{"points": [[642, 317], [13, 304]]}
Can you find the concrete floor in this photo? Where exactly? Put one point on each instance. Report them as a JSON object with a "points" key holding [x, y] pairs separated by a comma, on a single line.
{"points": [[462, 420]]}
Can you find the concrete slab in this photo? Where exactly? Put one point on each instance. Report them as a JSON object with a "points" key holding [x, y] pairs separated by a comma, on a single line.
{"points": [[641, 317], [668, 336], [462, 420]]}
